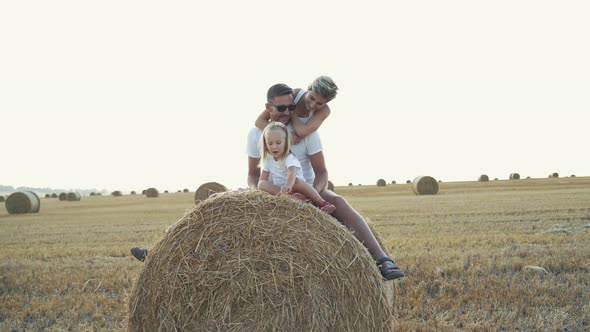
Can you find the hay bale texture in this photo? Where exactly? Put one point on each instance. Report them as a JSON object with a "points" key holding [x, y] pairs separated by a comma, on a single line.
{"points": [[483, 178], [73, 196], [23, 202], [208, 189], [514, 176], [381, 183], [63, 196], [425, 185], [152, 193], [251, 261]]}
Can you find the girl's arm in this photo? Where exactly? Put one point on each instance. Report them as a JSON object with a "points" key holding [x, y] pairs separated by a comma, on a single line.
{"points": [[291, 172], [304, 129], [262, 120]]}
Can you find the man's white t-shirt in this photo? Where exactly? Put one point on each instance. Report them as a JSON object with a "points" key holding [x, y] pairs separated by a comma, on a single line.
{"points": [[279, 169], [308, 146]]}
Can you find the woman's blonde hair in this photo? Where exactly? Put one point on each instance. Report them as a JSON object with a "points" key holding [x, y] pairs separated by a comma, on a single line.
{"points": [[275, 126], [325, 87]]}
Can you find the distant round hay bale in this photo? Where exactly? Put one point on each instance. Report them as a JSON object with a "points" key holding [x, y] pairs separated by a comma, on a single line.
{"points": [[93, 194], [117, 193], [63, 196], [2, 199], [208, 189], [98, 194], [47, 196], [185, 190], [381, 183], [350, 184], [251, 261], [514, 176], [133, 192], [330, 186], [54, 195], [152, 193], [495, 179], [408, 181], [572, 176], [554, 175], [165, 191], [143, 192], [23, 202], [483, 178], [74, 196], [393, 182], [528, 177], [425, 185]]}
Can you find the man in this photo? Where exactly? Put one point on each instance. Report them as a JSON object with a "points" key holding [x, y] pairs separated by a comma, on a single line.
{"points": [[309, 152]]}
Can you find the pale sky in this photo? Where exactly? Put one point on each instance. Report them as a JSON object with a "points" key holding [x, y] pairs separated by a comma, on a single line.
{"points": [[126, 95]]}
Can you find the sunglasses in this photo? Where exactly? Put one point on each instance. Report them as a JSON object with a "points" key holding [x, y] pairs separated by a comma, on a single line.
{"points": [[282, 108]]}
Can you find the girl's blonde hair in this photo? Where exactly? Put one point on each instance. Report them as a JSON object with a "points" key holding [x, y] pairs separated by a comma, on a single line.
{"points": [[275, 126]]}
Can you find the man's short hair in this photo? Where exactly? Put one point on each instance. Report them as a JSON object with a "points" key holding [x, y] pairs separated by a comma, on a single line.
{"points": [[325, 87], [278, 90]]}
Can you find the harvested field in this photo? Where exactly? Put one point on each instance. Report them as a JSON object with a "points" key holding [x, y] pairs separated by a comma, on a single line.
{"points": [[464, 251]]}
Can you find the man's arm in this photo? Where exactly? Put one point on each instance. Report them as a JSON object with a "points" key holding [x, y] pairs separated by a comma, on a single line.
{"points": [[253, 173], [321, 173]]}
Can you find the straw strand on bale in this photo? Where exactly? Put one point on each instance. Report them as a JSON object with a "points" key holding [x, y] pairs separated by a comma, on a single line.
{"points": [[251, 261], [208, 189]]}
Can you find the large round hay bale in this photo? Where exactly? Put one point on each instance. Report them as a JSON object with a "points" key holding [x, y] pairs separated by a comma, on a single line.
{"points": [[23, 202], [425, 185], [381, 183], [514, 176], [63, 196], [208, 189], [483, 178], [330, 186], [152, 193], [251, 261], [554, 175], [73, 196]]}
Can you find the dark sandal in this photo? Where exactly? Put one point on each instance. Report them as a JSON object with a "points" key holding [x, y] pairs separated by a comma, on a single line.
{"points": [[139, 254], [389, 272]]}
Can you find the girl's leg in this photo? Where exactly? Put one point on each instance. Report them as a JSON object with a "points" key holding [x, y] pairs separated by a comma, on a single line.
{"points": [[269, 187], [307, 190]]}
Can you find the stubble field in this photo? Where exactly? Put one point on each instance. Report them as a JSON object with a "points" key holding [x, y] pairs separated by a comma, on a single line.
{"points": [[464, 252]]}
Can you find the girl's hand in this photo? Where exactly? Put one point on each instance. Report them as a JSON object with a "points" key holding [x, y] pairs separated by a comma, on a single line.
{"points": [[296, 139], [286, 189]]}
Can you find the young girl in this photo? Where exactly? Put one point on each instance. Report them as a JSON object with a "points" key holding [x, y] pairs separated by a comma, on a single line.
{"points": [[278, 162], [311, 108]]}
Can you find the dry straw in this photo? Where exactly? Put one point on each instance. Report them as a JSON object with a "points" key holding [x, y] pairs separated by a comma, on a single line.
{"points": [[330, 186], [152, 193], [208, 189], [23, 202], [63, 196], [74, 196], [251, 261], [483, 178], [381, 183], [514, 176], [425, 185]]}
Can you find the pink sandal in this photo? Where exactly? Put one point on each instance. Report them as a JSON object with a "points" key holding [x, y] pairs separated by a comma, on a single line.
{"points": [[327, 207]]}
